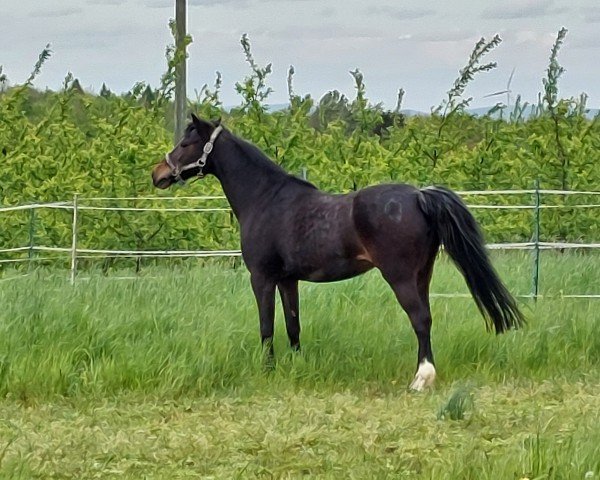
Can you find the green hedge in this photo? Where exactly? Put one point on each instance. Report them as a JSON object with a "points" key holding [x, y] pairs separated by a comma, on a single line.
{"points": [[55, 144]]}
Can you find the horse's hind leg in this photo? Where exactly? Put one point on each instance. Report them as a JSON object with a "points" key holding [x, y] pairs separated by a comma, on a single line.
{"points": [[426, 367], [288, 290], [413, 298]]}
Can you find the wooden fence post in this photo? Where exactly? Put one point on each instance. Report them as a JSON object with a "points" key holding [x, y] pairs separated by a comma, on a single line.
{"points": [[536, 241], [74, 242], [31, 237]]}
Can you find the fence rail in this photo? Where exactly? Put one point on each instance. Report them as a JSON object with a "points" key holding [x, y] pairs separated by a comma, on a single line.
{"points": [[79, 205]]}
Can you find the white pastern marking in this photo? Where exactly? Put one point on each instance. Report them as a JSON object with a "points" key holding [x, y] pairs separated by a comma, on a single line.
{"points": [[424, 378]]}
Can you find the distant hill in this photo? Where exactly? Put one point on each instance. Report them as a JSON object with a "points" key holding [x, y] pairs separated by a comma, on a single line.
{"points": [[276, 107], [477, 112], [481, 111], [413, 113]]}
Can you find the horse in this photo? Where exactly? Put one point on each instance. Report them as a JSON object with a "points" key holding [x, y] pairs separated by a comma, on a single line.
{"points": [[292, 231]]}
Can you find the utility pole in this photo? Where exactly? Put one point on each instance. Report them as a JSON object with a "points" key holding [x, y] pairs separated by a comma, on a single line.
{"points": [[180, 70]]}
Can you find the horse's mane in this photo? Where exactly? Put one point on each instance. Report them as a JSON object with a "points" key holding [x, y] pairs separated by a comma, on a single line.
{"points": [[258, 158]]}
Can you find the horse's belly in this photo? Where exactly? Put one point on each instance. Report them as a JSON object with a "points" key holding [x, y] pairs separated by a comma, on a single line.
{"points": [[338, 270]]}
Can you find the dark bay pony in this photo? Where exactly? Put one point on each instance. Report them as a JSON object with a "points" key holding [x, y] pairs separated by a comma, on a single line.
{"points": [[291, 231]]}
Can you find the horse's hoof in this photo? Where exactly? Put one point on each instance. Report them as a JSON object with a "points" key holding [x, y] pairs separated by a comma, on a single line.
{"points": [[425, 377], [269, 365]]}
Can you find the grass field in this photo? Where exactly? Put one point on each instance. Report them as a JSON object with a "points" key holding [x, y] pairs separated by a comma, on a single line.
{"points": [[161, 377]]}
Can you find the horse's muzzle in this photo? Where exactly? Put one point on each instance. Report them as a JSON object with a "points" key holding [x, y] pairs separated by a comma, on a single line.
{"points": [[161, 176]]}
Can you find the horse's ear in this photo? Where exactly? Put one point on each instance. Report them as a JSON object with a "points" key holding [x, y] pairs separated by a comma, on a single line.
{"points": [[202, 126]]}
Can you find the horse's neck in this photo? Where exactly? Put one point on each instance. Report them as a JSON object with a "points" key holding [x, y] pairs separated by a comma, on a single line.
{"points": [[246, 182]]}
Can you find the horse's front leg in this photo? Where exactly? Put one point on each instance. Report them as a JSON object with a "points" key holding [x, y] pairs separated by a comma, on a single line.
{"points": [[288, 290], [264, 291]]}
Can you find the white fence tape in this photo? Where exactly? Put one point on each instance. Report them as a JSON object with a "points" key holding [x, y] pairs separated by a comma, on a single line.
{"points": [[107, 199], [95, 253], [66, 205], [521, 192], [16, 249], [213, 253], [149, 209]]}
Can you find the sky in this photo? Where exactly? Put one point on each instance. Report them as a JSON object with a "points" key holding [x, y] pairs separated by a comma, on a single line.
{"points": [[416, 45]]}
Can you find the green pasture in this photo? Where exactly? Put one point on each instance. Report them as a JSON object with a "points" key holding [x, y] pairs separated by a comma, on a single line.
{"points": [[161, 377]]}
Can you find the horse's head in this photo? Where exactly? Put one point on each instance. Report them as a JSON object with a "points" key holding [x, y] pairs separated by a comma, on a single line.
{"points": [[190, 156]]}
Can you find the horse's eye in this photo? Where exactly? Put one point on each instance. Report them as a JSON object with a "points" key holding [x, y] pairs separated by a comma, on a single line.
{"points": [[184, 144]]}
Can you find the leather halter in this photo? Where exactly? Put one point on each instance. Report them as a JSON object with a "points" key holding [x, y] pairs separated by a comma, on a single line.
{"points": [[176, 170]]}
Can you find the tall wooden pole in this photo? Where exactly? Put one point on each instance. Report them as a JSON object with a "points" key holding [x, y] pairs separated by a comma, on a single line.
{"points": [[180, 71]]}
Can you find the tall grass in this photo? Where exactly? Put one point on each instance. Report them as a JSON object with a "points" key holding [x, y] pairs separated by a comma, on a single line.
{"points": [[162, 377], [195, 331]]}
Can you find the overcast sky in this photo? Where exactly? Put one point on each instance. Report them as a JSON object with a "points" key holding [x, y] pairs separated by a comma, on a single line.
{"points": [[413, 44]]}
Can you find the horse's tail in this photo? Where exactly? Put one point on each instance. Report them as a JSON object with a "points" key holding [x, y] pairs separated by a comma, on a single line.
{"points": [[459, 233]]}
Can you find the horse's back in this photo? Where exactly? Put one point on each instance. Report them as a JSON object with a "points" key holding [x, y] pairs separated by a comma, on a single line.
{"points": [[390, 222], [388, 206]]}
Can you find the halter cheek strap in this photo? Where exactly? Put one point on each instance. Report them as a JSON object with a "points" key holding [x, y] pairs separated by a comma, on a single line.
{"points": [[176, 170]]}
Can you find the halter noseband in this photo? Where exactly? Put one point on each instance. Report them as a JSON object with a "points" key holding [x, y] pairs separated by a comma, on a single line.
{"points": [[176, 171]]}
